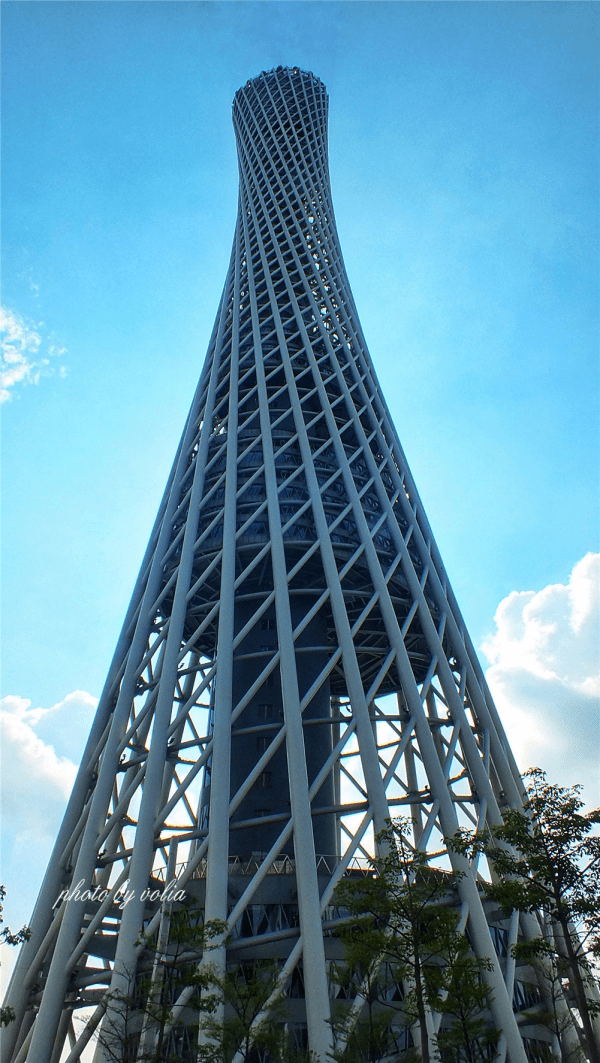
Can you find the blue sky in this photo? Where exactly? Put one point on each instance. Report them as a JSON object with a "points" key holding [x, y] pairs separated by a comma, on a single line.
{"points": [[463, 151]]}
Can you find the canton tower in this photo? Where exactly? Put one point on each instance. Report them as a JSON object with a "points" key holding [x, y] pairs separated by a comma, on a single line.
{"points": [[293, 669]]}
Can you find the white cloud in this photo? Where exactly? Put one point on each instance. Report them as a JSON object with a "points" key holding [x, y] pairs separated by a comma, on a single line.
{"points": [[545, 679], [25, 355], [36, 780], [66, 725], [41, 749]]}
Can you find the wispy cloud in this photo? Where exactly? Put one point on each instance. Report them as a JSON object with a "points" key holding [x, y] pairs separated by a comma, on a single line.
{"points": [[26, 355], [544, 676]]}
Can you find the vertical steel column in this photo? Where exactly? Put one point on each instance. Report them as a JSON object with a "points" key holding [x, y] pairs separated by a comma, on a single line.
{"points": [[218, 840], [313, 952]]}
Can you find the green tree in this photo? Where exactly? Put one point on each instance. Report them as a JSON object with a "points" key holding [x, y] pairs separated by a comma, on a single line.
{"points": [[139, 1023], [7, 1014], [467, 1035], [403, 922], [547, 860], [552, 1012], [381, 1012], [141, 1027], [245, 990]]}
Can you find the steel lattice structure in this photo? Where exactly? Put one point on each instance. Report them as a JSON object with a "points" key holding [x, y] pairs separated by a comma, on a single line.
{"points": [[293, 668]]}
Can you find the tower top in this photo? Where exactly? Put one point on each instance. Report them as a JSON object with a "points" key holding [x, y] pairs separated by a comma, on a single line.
{"points": [[276, 75]]}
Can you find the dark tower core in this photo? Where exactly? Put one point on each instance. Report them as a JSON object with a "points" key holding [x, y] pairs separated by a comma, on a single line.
{"points": [[293, 669]]}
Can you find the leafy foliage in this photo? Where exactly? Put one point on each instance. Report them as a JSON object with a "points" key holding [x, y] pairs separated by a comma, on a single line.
{"points": [[246, 989], [139, 1022], [376, 1033], [403, 935], [547, 860], [7, 1013], [551, 971], [467, 1036], [142, 1026]]}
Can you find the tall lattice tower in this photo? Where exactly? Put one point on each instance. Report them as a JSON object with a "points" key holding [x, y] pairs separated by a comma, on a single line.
{"points": [[293, 669]]}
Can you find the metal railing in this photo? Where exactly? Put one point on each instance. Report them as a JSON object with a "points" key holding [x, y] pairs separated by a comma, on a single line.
{"points": [[285, 865]]}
